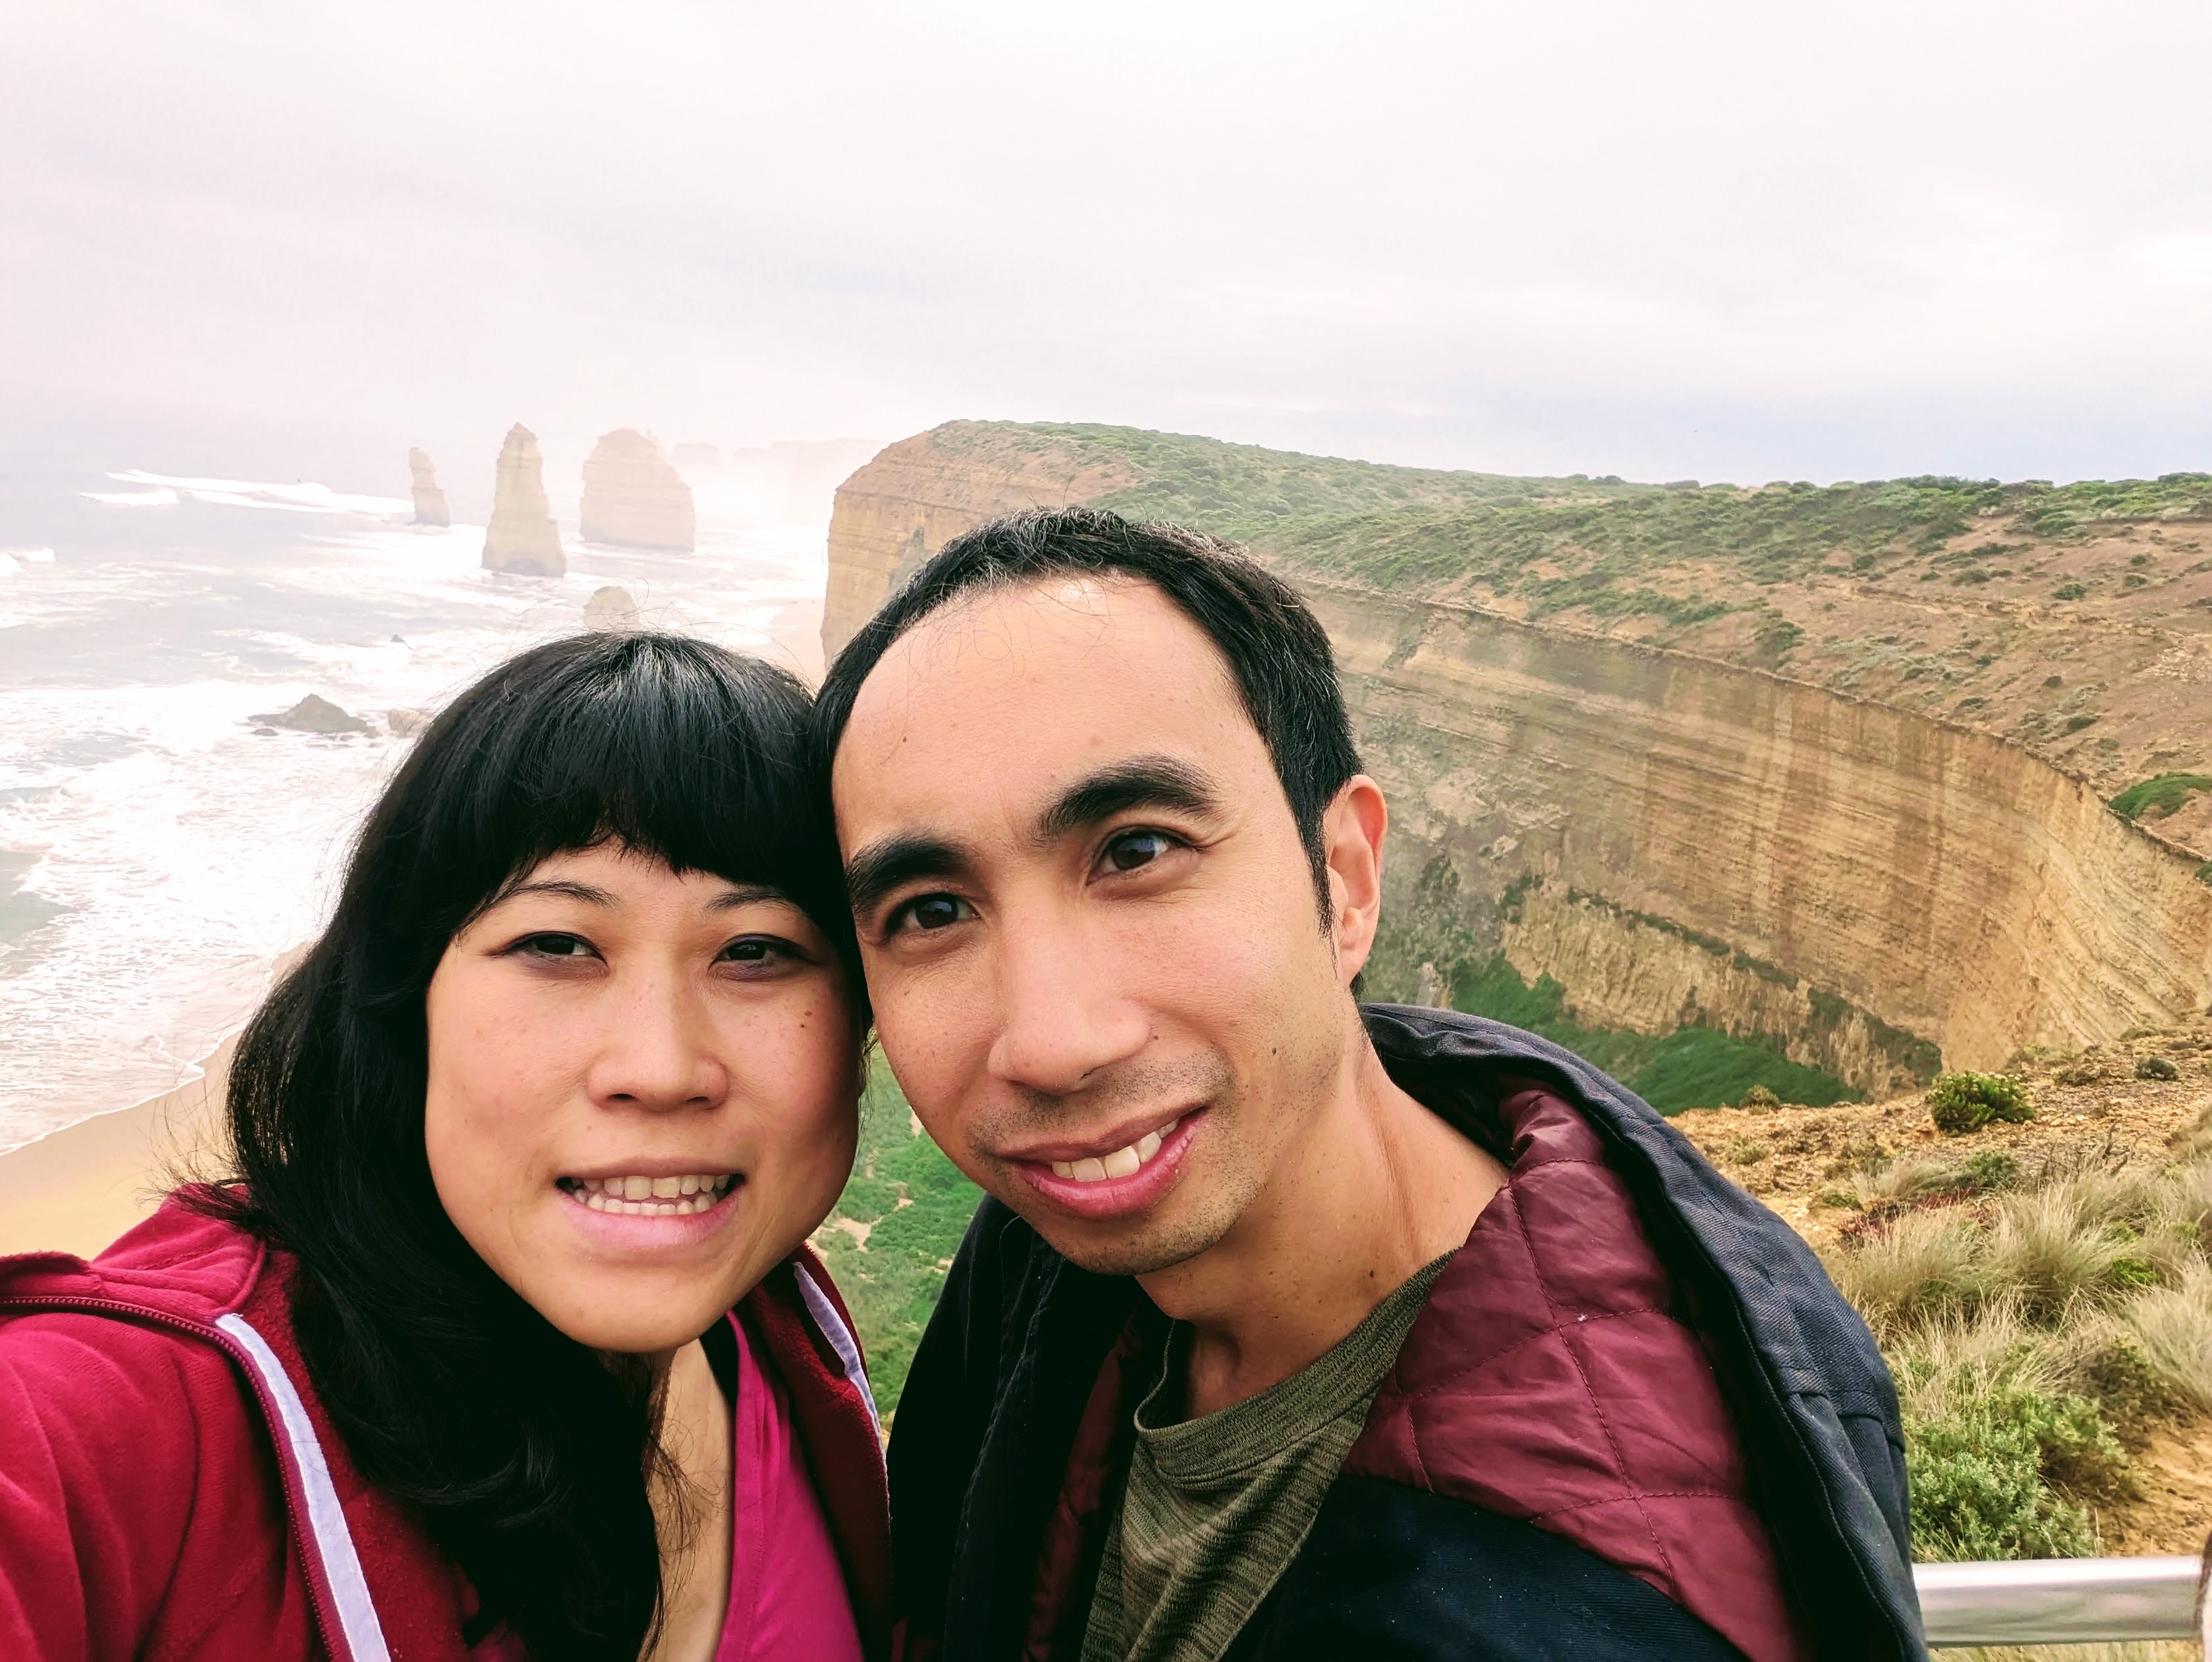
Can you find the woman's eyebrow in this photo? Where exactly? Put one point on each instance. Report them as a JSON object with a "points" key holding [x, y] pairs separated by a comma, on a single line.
{"points": [[566, 888], [745, 894]]}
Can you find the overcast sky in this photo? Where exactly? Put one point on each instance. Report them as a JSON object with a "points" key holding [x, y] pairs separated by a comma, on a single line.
{"points": [[1664, 239]]}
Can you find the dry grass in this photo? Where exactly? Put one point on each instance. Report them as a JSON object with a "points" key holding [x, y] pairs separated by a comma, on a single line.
{"points": [[2149, 1650], [2043, 1292]]}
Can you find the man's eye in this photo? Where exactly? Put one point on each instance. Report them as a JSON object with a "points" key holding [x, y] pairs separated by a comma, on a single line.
{"points": [[1131, 850], [933, 911]]}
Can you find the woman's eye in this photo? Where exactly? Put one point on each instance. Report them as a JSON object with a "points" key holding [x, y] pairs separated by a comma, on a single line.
{"points": [[756, 949], [933, 911], [556, 946], [1131, 850]]}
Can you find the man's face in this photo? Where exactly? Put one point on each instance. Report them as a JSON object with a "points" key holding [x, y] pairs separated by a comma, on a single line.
{"points": [[1090, 930]]}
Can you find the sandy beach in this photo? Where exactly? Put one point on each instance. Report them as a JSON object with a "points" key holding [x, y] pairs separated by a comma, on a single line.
{"points": [[78, 1189]]}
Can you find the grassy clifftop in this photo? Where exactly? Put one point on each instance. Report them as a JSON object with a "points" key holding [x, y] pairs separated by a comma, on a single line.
{"points": [[2075, 620]]}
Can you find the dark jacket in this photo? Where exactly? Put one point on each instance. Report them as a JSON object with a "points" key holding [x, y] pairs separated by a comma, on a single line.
{"points": [[1748, 1453]]}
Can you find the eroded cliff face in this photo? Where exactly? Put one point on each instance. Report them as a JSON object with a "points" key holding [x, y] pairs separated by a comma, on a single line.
{"points": [[1679, 840], [1674, 838], [917, 495]]}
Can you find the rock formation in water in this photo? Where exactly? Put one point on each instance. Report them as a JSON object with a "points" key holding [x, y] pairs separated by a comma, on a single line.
{"points": [[1848, 873], [314, 713], [610, 608], [429, 500], [633, 498], [406, 723], [522, 537]]}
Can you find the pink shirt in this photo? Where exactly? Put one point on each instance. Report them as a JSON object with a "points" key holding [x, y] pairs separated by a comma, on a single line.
{"points": [[787, 1598]]}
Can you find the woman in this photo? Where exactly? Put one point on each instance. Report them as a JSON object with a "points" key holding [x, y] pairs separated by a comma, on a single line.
{"points": [[562, 1088]]}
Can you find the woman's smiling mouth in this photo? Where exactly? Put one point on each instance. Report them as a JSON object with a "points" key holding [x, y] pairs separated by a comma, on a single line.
{"points": [[636, 1195]]}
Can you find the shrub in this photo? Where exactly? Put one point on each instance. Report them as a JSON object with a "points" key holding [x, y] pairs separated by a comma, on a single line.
{"points": [[2000, 1450], [1991, 1169], [1759, 1100], [2159, 794], [2068, 592], [2156, 1068], [1961, 1102]]}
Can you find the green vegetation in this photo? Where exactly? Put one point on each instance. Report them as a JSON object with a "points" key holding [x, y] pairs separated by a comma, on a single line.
{"points": [[1691, 1067], [2038, 1321], [893, 1233], [1576, 543], [1962, 1102], [2159, 795]]}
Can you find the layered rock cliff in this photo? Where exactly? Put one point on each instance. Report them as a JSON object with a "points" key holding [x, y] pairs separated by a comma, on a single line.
{"points": [[1674, 838], [633, 498], [521, 536], [429, 500]]}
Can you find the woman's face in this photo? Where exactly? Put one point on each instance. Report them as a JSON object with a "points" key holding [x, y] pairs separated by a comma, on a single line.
{"points": [[642, 1092]]}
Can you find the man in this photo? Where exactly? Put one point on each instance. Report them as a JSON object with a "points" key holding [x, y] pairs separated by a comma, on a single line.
{"points": [[1290, 1329]]}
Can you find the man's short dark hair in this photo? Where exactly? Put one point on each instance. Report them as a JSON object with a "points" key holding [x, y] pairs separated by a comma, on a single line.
{"points": [[1277, 652]]}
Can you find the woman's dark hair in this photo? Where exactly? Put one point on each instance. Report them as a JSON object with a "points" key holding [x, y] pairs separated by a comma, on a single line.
{"points": [[1277, 650], [524, 1452]]}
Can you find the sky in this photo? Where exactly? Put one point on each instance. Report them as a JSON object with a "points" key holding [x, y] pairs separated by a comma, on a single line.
{"points": [[1736, 241]]}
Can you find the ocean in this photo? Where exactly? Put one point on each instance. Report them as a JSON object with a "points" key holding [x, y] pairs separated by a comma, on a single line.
{"points": [[157, 854]]}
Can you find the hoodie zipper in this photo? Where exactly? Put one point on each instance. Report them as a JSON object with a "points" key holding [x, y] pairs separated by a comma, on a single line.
{"points": [[327, 1628]]}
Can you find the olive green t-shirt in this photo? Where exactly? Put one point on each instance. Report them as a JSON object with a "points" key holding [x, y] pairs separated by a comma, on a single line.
{"points": [[1213, 1510]]}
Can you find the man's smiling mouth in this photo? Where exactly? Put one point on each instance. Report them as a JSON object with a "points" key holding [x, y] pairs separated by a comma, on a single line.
{"points": [[1124, 1162], [639, 1196]]}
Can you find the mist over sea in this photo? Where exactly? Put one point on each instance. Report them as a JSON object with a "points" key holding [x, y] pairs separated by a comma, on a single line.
{"points": [[156, 854]]}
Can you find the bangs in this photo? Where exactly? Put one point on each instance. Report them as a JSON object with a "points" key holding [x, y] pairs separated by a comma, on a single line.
{"points": [[669, 747]]}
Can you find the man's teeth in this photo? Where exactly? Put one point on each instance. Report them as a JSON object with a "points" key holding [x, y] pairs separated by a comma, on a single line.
{"points": [[651, 1197], [1122, 1163]]}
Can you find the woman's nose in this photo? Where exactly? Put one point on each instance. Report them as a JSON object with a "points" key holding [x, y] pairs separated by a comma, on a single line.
{"points": [[659, 1052]]}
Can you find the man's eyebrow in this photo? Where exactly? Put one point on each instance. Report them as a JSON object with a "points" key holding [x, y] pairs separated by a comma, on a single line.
{"points": [[1140, 781], [883, 865]]}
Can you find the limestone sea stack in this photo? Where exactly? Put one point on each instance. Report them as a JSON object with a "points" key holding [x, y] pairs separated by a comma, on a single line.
{"points": [[633, 498], [521, 536], [429, 500]]}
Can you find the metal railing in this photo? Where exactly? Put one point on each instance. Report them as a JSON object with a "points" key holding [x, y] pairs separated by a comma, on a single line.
{"points": [[2065, 1601]]}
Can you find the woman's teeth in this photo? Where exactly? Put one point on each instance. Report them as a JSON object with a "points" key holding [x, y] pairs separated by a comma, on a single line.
{"points": [[1122, 1163], [650, 1197]]}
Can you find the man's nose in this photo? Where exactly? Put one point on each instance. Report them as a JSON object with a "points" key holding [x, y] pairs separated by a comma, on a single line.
{"points": [[1063, 1014], [657, 1051]]}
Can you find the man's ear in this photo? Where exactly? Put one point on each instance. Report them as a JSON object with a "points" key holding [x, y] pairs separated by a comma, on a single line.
{"points": [[1351, 831]]}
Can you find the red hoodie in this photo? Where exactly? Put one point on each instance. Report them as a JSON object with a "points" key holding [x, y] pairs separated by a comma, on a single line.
{"points": [[169, 1486]]}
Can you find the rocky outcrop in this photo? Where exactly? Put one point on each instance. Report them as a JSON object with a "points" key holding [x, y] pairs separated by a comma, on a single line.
{"points": [[429, 500], [314, 713], [610, 608], [633, 498], [522, 537], [1671, 837], [406, 723]]}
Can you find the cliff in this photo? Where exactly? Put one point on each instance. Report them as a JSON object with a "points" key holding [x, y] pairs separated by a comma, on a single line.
{"points": [[633, 498], [1615, 768], [429, 500], [521, 537]]}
